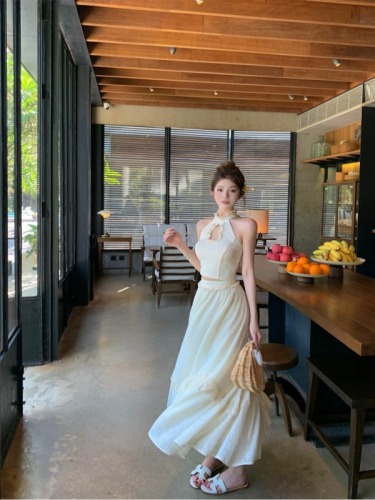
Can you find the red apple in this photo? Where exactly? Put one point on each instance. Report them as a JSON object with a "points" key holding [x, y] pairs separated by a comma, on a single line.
{"points": [[285, 257], [268, 255], [295, 256], [274, 256], [276, 248], [288, 250]]}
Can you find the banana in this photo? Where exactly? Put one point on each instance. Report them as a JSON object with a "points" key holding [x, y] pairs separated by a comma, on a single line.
{"points": [[332, 259], [335, 242], [345, 250], [332, 246], [344, 257], [336, 254], [323, 247], [344, 244], [351, 249]]}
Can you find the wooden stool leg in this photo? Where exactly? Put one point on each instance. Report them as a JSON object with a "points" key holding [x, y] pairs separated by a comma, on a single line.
{"points": [[311, 400], [357, 424], [276, 399], [279, 394]]}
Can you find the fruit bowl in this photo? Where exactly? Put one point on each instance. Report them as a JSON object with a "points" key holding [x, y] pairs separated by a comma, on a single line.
{"points": [[282, 265], [337, 267], [307, 278]]}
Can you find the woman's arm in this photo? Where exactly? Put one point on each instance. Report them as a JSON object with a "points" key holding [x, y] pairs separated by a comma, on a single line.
{"points": [[248, 233], [174, 238]]}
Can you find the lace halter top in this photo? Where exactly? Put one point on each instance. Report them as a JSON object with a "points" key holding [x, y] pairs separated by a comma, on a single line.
{"points": [[220, 255]]}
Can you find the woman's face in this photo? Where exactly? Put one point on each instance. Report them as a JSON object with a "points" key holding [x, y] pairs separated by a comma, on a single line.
{"points": [[226, 194]]}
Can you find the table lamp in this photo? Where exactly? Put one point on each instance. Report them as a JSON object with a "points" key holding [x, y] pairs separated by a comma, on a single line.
{"points": [[261, 218], [106, 214]]}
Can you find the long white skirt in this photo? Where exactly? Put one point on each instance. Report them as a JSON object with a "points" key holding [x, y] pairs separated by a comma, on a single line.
{"points": [[205, 410]]}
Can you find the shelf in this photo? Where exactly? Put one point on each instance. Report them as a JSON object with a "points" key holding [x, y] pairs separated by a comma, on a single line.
{"points": [[332, 160]]}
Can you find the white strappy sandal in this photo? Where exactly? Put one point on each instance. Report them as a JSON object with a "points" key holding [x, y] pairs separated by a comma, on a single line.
{"points": [[215, 482], [203, 472]]}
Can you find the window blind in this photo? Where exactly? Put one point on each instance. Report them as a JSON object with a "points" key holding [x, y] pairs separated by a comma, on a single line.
{"points": [[194, 156], [134, 179], [264, 159]]}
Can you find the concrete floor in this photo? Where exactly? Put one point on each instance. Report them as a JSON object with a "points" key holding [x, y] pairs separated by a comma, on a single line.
{"points": [[86, 417]]}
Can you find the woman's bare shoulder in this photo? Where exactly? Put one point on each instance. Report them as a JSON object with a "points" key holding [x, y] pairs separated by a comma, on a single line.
{"points": [[245, 223]]}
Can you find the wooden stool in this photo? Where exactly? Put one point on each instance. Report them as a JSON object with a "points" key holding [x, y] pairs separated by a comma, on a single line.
{"points": [[278, 357], [353, 381]]}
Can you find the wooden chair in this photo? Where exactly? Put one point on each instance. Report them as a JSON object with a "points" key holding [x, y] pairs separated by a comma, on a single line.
{"points": [[351, 380], [153, 241], [173, 273]]}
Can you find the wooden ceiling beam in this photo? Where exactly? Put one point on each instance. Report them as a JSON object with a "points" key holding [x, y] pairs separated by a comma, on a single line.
{"points": [[338, 13], [215, 25], [203, 93], [252, 53], [295, 73], [316, 87], [322, 87], [270, 87], [242, 60]]}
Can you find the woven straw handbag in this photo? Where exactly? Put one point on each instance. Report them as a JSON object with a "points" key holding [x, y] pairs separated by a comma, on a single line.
{"points": [[248, 371]]}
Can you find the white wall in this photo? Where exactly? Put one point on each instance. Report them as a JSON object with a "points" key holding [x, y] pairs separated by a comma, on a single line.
{"points": [[151, 116]]}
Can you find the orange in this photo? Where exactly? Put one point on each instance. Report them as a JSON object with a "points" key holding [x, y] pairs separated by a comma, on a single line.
{"points": [[325, 268], [306, 266], [302, 260], [290, 266], [315, 269], [298, 269]]}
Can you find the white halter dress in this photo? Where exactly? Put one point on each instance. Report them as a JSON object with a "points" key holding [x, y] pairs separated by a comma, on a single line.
{"points": [[205, 410]]}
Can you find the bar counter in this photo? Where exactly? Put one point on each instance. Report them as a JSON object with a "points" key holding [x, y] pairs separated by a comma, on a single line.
{"points": [[327, 317]]}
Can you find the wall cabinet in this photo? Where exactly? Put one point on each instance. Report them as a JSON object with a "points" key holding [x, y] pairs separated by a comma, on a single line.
{"points": [[340, 211]]}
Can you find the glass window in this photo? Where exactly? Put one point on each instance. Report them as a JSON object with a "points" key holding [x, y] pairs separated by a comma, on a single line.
{"points": [[29, 147], [195, 154], [136, 188], [134, 180], [264, 159], [11, 177]]}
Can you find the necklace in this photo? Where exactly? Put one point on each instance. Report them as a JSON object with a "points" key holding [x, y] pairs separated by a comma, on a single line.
{"points": [[218, 222]]}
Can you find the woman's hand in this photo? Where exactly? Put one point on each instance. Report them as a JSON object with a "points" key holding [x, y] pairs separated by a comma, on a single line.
{"points": [[256, 335], [172, 237]]}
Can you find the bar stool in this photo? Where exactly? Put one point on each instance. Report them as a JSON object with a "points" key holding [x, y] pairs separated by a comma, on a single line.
{"points": [[353, 382], [278, 357]]}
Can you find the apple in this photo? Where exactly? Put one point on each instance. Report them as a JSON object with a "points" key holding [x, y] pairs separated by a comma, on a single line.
{"points": [[268, 255], [295, 256], [276, 248], [288, 250], [274, 256], [285, 257]]}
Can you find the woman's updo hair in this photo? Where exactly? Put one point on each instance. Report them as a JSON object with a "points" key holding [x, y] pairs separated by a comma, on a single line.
{"points": [[229, 170]]}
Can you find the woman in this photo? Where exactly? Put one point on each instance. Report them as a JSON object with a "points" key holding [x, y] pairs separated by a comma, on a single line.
{"points": [[205, 410]]}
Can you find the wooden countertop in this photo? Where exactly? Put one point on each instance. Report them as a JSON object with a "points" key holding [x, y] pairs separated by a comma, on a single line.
{"points": [[344, 308]]}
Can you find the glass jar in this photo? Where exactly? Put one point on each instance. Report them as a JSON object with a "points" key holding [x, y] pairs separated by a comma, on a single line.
{"points": [[320, 148]]}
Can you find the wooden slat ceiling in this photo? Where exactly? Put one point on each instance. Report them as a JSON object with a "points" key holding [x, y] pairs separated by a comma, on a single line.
{"points": [[259, 55]]}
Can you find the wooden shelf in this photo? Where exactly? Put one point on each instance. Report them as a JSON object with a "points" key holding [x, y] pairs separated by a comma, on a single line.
{"points": [[332, 160]]}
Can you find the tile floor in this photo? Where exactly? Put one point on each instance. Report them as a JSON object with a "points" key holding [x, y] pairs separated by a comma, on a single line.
{"points": [[86, 418]]}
